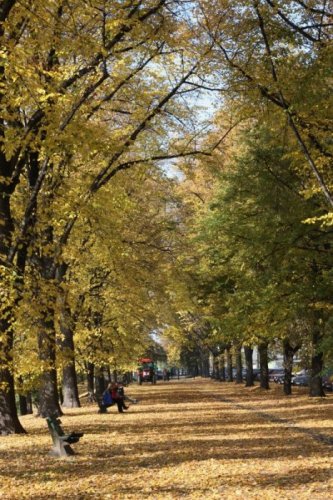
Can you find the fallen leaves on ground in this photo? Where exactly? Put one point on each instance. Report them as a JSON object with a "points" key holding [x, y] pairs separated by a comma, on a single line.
{"points": [[191, 438]]}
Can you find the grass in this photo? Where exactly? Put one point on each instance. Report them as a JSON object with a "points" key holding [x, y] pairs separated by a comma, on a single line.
{"points": [[185, 439]]}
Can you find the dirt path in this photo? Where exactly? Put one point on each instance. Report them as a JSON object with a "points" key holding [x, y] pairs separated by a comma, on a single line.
{"points": [[185, 439]]}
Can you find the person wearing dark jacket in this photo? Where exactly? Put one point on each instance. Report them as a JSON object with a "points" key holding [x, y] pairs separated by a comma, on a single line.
{"points": [[118, 397]]}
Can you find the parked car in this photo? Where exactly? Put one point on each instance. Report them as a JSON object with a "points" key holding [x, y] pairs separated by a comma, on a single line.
{"points": [[328, 380], [256, 373], [275, 374], [301, 378], [279, 379]]}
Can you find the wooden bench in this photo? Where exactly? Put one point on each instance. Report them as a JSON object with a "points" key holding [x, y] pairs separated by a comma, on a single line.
{"points": [[61, 441]]}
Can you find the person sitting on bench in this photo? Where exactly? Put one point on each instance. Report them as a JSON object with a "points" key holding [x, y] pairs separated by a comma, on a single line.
{"points": [[107, 400], [121, 392], [118, 397], [114, 394]]}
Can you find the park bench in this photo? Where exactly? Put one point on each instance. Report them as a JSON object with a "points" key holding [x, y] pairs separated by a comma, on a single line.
{"points": [[61, 441]]}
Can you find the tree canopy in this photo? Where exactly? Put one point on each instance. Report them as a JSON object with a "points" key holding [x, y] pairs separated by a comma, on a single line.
{"points": [[165, 166]]}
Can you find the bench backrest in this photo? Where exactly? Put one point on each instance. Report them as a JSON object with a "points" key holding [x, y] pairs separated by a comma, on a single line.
{"points": [[54, 426]]}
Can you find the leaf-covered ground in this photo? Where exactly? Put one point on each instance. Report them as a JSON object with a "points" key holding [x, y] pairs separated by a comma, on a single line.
{"points": [[185, 439]]}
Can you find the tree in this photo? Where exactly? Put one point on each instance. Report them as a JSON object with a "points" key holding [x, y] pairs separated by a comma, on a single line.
{"points": [[279, 53]]}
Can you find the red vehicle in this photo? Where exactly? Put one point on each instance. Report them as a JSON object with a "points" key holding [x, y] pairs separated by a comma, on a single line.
{"points": [[146, 371]]}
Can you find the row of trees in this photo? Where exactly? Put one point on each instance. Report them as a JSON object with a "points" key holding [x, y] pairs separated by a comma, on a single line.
{"points": [[88, 91], [98, 247], [259, 229]]}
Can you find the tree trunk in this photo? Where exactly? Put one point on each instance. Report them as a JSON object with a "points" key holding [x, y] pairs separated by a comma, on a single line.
{"points": [[69, 387], [48, 388], [205, 366], [90, 380], [249, 366], [29, 404], [263, 357], [69, 379], [23, 405], [99, 382], [9, 422], [315, 385], [230, 377], [239, 365], [288, 358], [222, 367], [216, 371]]}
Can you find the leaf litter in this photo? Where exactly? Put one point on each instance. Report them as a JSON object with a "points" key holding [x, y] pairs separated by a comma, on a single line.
{"points": [[191, 438]]}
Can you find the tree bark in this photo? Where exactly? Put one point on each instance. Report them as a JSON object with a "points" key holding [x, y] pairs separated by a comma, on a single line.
{"points": [[230, 377], [239, 365], [288, 358], [222, 367], [48, 387], [263, 357], [249, 366], [216, 371], [24, 405], [204, 364], [315, 385], [90, 380], [69, 378], [9, 421], [69, 387], [99, 382]]}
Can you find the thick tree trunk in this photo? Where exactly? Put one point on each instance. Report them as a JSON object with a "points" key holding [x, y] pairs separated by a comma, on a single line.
{"points": [[29, 403], [100, 383], [48, 387], [263, 357], [7, 425], [205, 366], [216, 371], [222, 367], [315, 385], [69, 387], [69, 379], [288, 358], [288, 355], [230, 377], [23, 404], [249, 366], [48, 394], [9, 422], [239, 365]]}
